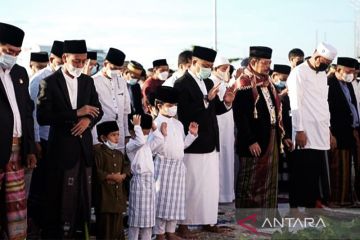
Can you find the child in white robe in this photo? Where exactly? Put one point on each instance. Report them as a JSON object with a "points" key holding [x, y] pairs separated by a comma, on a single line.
{"points": [[169, 166], [142, 188]]}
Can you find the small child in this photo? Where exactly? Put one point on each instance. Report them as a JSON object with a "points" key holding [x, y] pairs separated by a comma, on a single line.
{"points": [[169, 165], [111, 170], [142, 187]]}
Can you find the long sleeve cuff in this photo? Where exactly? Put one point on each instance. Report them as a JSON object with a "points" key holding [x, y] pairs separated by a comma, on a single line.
{"points": [[189, 139], [227, 107]]}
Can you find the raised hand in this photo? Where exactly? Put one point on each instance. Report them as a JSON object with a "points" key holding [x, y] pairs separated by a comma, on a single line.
{"points": [[214, 91], [193, 128], [227, 75], [87, 68], [163, 129], [229, 97], [136, 120]]}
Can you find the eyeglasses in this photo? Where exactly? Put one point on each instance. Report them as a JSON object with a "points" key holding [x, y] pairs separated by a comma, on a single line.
{"points": [[9, 51], [265, 62]]}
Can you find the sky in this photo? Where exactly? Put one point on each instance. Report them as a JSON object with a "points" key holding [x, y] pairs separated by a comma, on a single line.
{"points": [[146, 30]]}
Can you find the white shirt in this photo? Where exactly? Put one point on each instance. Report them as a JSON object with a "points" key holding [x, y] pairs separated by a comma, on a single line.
{"points": [[72, 86], [308, 93], [171, 80], [40, 131], [115, 101], [175, 142], [10, 92], [356, 85], [140, 150]]}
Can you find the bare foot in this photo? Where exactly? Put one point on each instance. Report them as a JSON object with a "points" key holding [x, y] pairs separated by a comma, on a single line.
{"points": [[216, 229], [172, 236], [184, 232], [160, 237]]}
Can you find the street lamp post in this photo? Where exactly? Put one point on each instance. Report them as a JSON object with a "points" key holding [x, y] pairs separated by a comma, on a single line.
{"points": [[356, 5], [215, 26]]}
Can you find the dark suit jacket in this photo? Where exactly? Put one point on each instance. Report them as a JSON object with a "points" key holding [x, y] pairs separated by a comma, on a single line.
{"points": [[340, 114], [20, 81], [250, 129], [286, 116], [136, 102], [136, 99], [54, 109], [191, 109]]}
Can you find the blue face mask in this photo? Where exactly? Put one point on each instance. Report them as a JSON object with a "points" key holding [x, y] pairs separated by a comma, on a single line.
{"points": [[132, 81], [94, 69], [204, 73], [7, 61], [280, 84]]}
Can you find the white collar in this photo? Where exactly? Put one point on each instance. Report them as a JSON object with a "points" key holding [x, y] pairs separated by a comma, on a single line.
{"points": [[163, 118], [7, 71], [67, 77], [194, 76]]}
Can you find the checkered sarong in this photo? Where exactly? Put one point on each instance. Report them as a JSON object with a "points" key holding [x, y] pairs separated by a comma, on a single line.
{"points": [[258, 177], [12, 186], [142, 201], [170, 197]]}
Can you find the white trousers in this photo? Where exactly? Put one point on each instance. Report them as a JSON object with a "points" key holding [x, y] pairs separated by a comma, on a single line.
{"points": [[164, 226], [144, 233]]}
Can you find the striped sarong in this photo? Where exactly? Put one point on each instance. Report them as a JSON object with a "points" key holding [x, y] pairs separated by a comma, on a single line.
{"points": [[340, 176], [170, 197], [257, 179], [356, 185], [142, 201], [13, 198]]}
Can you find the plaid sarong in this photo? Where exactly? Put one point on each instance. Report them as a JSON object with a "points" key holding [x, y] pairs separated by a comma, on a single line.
{"points": [[170, 197], [142, 201]]}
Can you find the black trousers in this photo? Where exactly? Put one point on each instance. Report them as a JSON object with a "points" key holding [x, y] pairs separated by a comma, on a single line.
{"points": [[67, 202], [35, 200], [306, 169]]}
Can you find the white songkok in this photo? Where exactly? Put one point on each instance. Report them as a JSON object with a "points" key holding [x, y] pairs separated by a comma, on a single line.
{"points": [[220, 61], [326, 50]]}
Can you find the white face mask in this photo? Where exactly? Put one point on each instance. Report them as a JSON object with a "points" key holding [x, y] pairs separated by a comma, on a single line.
{"points": [[76, 72], [110, 144], [221, 74], [112, 73], [7, 61], [163, 75], [348, 77], [132, 81], [171, 111], [204, 73]]}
